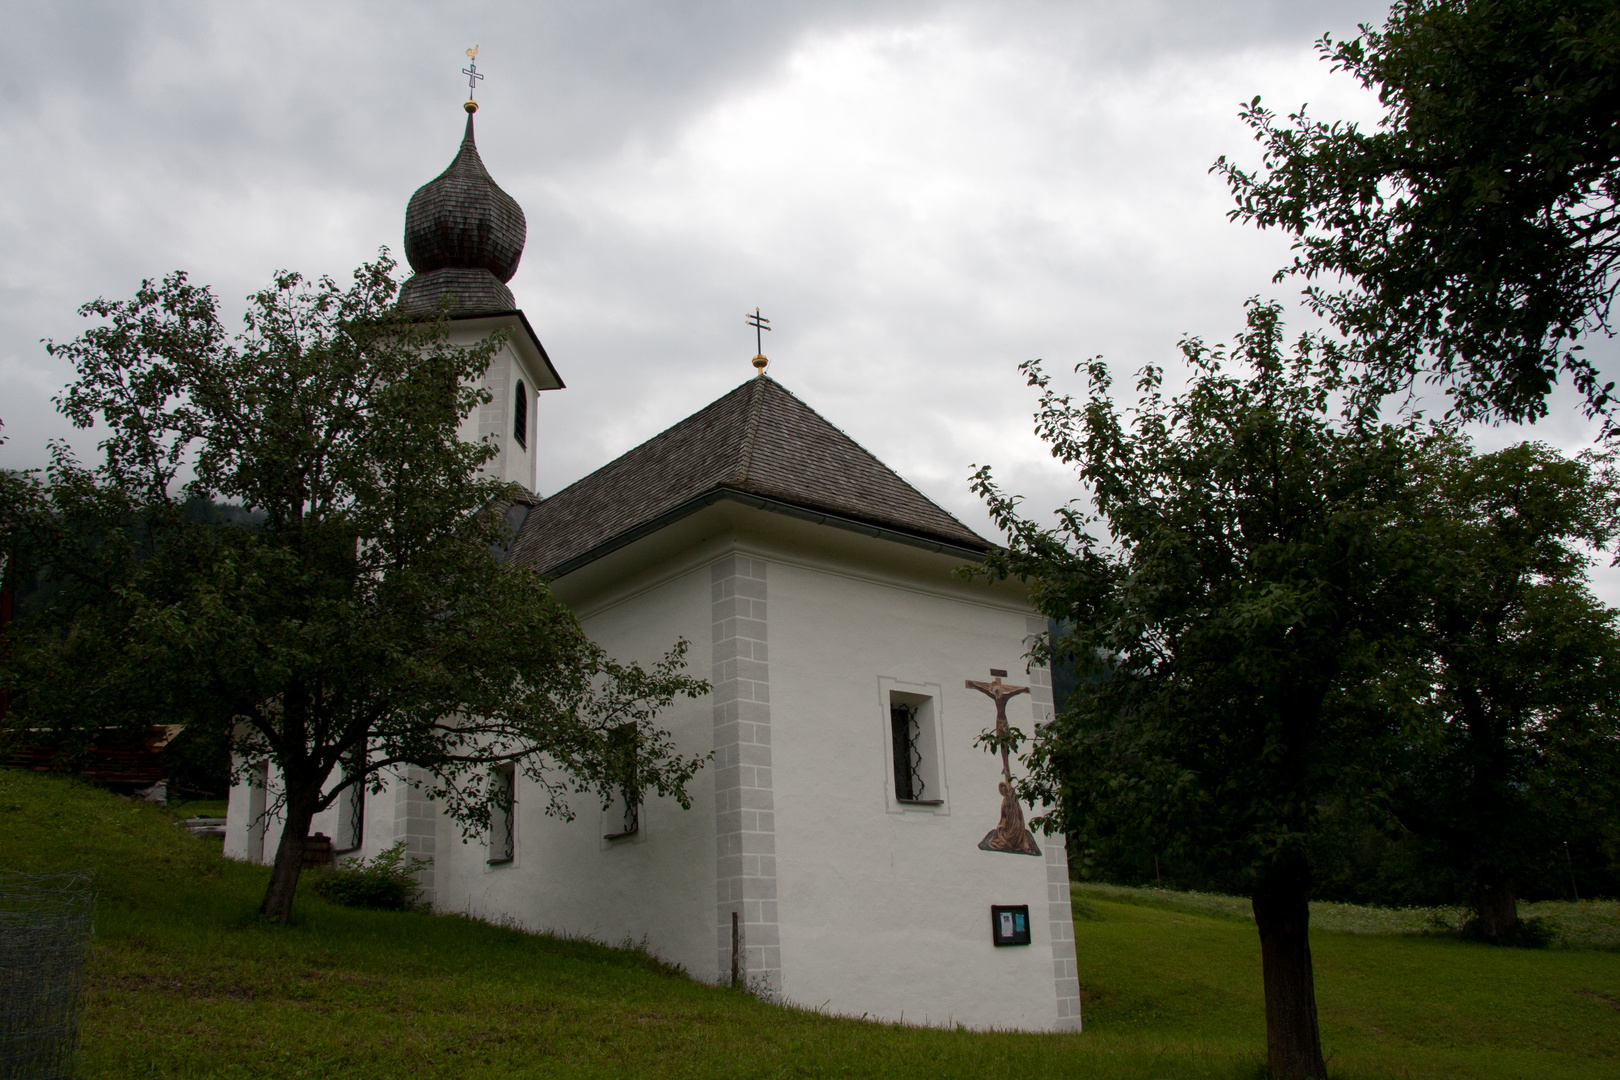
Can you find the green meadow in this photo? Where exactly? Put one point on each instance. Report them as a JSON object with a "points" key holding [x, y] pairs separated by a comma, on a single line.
{"points": [[185, 980]]}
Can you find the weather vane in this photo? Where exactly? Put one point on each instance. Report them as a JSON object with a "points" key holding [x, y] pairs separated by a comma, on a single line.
{"points": [[759, 323], [473, 78]]}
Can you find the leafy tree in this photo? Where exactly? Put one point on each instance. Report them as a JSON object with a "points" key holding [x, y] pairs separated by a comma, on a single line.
{"points": [[1512, 675], [359, 618], [1476, 232], [1227, 644]]}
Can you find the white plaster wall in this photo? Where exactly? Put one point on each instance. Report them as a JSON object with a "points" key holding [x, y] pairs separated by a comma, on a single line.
{"points": [[565, 877], [239, 819], [377, 831], [493, 420], [878, 909], [885, 909]]}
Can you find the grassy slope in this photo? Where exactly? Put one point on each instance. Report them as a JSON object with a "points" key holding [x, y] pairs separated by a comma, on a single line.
{"points": [[1587, 924], [186, 981]]}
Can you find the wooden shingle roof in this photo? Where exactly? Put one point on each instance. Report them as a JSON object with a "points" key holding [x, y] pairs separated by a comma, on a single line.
{"points": [[759, 445]]}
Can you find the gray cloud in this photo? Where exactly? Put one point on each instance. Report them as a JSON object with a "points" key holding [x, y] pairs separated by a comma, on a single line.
{"points": [[920, 194]]}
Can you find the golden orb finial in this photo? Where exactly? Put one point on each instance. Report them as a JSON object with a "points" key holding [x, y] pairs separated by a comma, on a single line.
{"points": [[759, 323], [473, 79]]}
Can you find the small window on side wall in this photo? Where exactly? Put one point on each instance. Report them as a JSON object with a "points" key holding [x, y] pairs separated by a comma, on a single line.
{"points": [[351, 806], [502, 815], [915, 750], [623, 815], [351, 819], [520, 416]]}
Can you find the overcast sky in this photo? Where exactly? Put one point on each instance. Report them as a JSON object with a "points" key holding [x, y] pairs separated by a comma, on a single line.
{"points": [[920, 195]]}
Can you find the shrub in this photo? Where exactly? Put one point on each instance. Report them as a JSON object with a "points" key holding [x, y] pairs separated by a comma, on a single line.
{"points": [[1526, 933], [387, 881]]}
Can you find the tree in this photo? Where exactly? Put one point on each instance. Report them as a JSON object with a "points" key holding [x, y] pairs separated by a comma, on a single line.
{"points": [[1227, 642], [1476, 232], [1513, 670], [359, 618]]}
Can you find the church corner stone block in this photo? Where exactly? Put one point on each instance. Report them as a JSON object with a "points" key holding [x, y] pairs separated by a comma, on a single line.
{"points": [[745, 828], [1065, 964], [416, 822]]}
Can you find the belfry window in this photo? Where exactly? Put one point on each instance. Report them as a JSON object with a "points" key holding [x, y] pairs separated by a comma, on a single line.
{"points": [[915, 750], [520, 416]]}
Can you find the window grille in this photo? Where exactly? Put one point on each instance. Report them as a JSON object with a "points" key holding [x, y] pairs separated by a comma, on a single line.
{"points": [[520, 416], [908, 760], [351, 818]]}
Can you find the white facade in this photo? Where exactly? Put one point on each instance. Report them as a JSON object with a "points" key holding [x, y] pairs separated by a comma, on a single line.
{"points": [[519, 367], [847, 899]]}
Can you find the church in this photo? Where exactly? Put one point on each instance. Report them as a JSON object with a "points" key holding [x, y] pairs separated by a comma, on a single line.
{"points": [[849, 848]]}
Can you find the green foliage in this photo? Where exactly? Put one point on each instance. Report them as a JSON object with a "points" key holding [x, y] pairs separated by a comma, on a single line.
{"points": [[387, 881], [1226, 644], [1510, 679], [1587, 924], [357, 614], [1524, 933], [1228, 648], [185, 981], [1478, 228]]}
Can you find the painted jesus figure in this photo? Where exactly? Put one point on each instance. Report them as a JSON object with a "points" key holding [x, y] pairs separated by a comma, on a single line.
{"points": [[1010, 834]]}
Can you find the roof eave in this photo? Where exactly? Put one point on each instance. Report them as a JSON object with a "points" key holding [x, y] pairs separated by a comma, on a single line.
{"points": [[775, 506], [526, 341]]}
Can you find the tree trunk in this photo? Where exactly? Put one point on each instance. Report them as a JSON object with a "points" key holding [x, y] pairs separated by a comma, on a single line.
{"points": [[1496, 906], [278, 898], [1293, 1042]]}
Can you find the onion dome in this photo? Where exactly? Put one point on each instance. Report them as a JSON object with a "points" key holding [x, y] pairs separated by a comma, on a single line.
{"points": [[463, 236]]}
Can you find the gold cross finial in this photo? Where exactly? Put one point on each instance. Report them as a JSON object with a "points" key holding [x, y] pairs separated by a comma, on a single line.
{"points": [[473, 78], [760, 324]]}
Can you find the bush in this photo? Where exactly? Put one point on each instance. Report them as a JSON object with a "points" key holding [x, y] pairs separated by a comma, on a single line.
{"points": [[1526, 933], [387, 881]]}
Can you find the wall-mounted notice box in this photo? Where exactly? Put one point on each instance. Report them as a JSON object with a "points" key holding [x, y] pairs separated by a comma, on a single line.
{"points": [[1009, 924]]}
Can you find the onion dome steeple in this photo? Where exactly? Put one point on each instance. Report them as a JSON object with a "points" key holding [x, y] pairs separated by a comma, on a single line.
{"points": [[463, 236]]}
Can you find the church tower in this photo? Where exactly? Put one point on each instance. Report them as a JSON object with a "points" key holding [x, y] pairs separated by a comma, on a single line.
{"points": [[463, 238]]}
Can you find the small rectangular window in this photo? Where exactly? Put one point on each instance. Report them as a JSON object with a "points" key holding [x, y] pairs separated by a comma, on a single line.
{"points": [[351, 807], [915, 750], [624, 813], [520, 416], [351, 818], [502, 815]]}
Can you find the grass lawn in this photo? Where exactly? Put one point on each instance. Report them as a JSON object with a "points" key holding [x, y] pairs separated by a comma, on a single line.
{"points": [[186, 981]]}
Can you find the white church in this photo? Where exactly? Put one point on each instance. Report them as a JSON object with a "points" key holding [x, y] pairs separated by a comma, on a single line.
{"points": [[848, 847]]}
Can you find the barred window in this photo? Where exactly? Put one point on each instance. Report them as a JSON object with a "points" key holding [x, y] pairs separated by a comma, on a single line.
{"points": [[351, 818], [915, 748]]}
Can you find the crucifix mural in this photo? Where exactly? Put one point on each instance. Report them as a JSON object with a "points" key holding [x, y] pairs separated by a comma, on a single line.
{"points": [[1010, 834]]}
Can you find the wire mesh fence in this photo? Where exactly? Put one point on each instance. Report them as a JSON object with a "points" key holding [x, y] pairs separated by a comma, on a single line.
{"points": [[45, 925]]}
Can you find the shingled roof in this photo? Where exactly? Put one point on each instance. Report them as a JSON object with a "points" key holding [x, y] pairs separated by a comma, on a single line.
{"points": [[759, 445]]}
